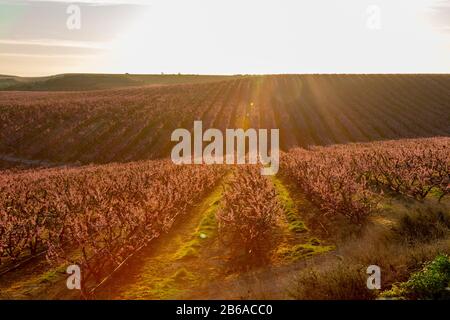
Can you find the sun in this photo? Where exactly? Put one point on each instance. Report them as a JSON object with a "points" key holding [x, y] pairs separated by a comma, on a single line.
{"points": [[195, 38]]}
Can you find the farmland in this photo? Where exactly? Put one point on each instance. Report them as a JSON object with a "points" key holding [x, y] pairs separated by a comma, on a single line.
{"points": [[131, 124], [77, 82], [364, 180]]}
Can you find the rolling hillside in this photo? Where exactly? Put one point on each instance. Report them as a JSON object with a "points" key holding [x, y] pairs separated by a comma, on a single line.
{"points": [[77, 82], [136, 123]]}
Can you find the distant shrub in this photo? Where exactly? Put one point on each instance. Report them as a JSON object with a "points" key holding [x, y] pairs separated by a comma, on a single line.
{"points": [[423, 226], [432, 282], [337, 282]]}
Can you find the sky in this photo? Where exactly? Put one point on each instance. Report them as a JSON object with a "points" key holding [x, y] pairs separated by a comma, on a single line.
{"points": [[224, 36]]}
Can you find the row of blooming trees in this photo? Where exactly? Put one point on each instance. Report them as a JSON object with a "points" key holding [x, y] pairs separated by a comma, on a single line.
{"points": [[95, 216], [346, 179]]}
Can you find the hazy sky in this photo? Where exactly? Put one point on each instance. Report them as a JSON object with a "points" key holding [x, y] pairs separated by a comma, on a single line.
{"points": [[225, 36]]}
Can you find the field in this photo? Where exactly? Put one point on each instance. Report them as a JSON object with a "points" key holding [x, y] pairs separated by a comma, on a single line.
{"points": [[77, 82], [136, 123], [364, 180]]}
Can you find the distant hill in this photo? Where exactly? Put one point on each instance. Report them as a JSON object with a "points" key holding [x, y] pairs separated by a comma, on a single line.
{"points": [[136, 123], [6, 82], [84, 82]]}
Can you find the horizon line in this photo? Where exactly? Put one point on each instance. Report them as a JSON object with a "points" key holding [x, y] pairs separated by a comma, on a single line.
{"points": [[223, 74]]}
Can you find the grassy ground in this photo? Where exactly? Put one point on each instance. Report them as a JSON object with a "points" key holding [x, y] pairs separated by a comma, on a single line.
{"points": [[183, 260], [301, 242], [400, 238]]}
